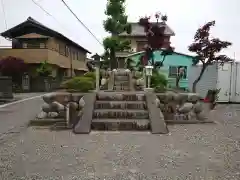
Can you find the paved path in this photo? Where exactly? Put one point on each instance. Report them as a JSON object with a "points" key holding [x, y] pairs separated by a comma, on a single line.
{"points": [[17, 114], [188, 152]]}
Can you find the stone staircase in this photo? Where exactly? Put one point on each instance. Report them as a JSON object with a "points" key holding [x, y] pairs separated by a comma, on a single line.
{"points": [[121, 80], [120, 111]]}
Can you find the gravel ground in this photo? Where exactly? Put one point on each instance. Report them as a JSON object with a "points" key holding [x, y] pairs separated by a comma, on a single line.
{"points": [[188, 152]]}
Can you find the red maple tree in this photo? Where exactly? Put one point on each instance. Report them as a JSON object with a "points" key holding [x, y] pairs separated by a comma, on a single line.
{"points": [[207, 50], [13, 67], [155, 38]]}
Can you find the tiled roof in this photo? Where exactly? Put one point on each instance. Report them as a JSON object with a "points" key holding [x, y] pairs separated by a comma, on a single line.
{"points": [[138, 30]]}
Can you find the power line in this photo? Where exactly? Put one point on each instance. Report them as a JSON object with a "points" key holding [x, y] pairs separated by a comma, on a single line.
{"points": [[4, 14], [81, 22], [46, 12]]}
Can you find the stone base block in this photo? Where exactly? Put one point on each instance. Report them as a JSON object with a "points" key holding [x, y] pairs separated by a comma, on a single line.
{"points": [[148, 89]]}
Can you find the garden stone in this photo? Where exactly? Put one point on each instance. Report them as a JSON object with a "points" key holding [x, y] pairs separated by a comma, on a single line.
{"points": [[76, 98], [103, 81], [52, 114], [49, 98], [193, 97], [61, 97], [157, 102], [181, 98], [56, 106], [170, 96], [80, 113], [81, 103], [161, 97], [198, 107], [42, 115], [73, 105], [46, 108], [186, 108], [140, 82]]}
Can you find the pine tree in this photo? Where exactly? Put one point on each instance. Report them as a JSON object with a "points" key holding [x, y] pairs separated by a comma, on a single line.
{"points": [[116, 23]]}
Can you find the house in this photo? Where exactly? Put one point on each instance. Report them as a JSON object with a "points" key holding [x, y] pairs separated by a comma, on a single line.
{"points": [[171, 65], [138, 40], [34, 43]]}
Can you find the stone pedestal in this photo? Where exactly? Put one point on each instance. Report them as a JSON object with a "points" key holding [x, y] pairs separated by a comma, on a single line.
{"points": [[148, 90]]}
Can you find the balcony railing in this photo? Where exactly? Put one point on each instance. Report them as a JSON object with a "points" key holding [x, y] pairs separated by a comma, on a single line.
{"points": [[35, 56]]}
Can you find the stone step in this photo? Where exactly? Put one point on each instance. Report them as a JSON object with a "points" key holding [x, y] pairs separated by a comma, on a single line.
{"points": [[121, 78], [121, 73], [120, 113], [120, 105], [120, 96], [121, 88], [120, 124], [121, 83]]}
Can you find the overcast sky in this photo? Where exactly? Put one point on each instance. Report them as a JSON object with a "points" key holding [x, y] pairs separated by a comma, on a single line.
{"points": [[184, 17]]}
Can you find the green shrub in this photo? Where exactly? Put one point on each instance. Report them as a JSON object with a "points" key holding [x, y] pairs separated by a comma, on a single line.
{"points": [[90, 75], [158, 79], [81, 84], [160, 89]]}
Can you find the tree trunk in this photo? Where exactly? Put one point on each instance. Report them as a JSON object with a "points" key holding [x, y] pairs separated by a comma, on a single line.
{"points": [[198, 79], [164, 57], [113, 62]]}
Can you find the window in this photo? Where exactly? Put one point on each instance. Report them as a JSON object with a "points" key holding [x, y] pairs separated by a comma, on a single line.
{"points": [[67, 50], [174, 70], [62, 49]]}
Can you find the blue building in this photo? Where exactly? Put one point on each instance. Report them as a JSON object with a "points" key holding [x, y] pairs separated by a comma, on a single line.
{"points": [[170, 66]]}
